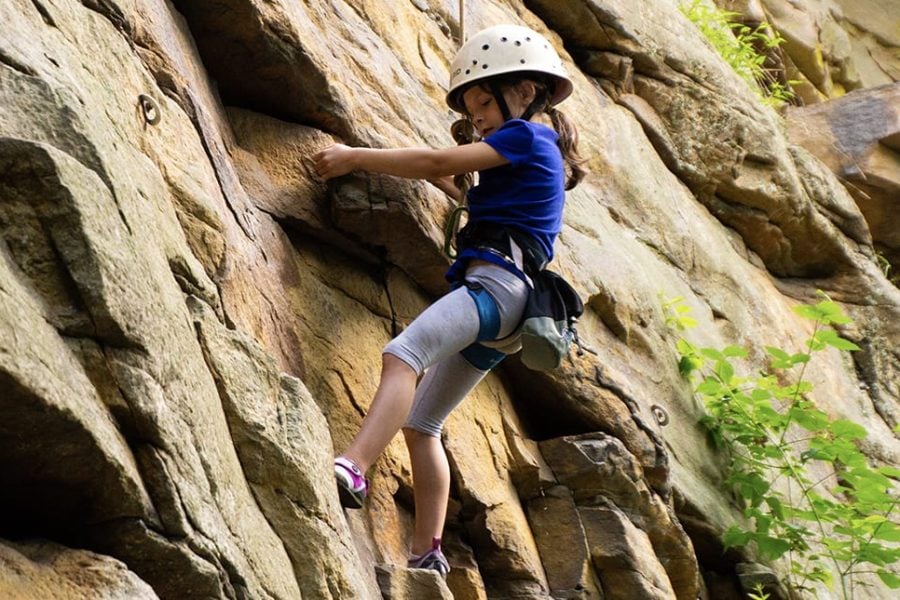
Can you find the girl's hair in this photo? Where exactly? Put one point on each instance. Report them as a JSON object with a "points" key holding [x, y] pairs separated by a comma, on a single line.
{"points": [[463, 130]]}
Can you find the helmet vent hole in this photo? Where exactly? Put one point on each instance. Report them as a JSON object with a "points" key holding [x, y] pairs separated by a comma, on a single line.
{"points": [[468, 71], [504, 38], [522, 61], [484, 66], [485, 47], [528, 39], [518, 43], [474, 62]]}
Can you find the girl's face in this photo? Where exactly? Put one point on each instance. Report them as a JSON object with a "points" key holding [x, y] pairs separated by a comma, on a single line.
{"points": [[484, 111]]}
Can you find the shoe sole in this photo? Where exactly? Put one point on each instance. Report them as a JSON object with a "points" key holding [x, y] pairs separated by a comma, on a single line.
{"points": [[442, 568], [348, 498]]}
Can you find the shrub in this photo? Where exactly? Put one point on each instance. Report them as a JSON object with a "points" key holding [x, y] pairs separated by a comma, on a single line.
{"points": [[842, 524], [740, 46]]}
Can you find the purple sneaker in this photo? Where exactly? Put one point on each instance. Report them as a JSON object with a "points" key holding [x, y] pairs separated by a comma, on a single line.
{"points": [[433, 559], [353, 487]]}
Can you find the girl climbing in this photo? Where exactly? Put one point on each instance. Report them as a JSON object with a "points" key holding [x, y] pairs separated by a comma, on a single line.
{"points": [[506, 82]]}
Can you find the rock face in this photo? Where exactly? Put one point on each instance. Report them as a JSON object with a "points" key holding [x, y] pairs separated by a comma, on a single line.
{"points": [[830, 46], [46, 570], [191, 324], [858, 138]]}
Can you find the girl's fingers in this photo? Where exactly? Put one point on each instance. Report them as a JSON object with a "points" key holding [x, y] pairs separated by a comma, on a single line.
{"points": [[321, 164], [326, 162]]}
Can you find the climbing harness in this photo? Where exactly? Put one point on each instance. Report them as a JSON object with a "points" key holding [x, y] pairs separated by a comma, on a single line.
{"points": [[150, 109]]}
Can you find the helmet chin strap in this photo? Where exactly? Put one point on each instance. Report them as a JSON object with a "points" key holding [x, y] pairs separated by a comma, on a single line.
{"points": [[500, 100], [536, 104]]}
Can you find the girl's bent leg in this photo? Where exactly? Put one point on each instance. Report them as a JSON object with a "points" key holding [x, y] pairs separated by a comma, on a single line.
{"points": [[387, 413], [441, 390], [431, 485]]}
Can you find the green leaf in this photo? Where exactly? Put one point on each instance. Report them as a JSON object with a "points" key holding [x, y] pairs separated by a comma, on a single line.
{"points": [[890, 579], [776, 507], [759, 395], [735, 352], [724, 370], [712, 353], [877, 554], [710, 387], [815, 345], [769, 417], [889, 471], [889, 532], [823, 575], [862, 478], [782, 358], [753, 487], [809, 312], [689, 364], [799, 388], [800, 358], [811, 419], [735, 536], [831, 338], [848, 430], [687, 322], [771, 547], [832, 312], [684, 347]]}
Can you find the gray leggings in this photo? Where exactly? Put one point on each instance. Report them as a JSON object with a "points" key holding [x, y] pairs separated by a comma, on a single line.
{"points": [[444, 338]]}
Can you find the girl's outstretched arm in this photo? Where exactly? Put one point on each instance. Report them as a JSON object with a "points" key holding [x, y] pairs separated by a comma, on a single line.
{"points": [[412, 163]]}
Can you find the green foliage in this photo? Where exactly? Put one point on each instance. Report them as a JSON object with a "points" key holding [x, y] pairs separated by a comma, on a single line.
{"points": [[742, 47], [758, 593], [779, 444], [883, 264]]}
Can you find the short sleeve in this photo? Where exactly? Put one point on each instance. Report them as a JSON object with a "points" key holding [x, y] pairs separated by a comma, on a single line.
{"points": [[513, 141]]}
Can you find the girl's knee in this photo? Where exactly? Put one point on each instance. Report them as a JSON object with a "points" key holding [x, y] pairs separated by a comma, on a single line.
{"points": [[414, 436], [394, 366]]}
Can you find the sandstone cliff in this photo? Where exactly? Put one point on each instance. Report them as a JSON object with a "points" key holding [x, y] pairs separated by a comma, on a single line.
{"points": [[191, 323]]}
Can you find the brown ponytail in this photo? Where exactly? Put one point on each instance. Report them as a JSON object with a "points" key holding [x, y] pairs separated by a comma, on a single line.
{"points": [[463, 130], [568, 145]]}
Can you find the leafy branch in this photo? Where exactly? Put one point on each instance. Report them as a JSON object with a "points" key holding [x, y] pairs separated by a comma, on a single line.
{"points": [[773, 433], [743, 47]]}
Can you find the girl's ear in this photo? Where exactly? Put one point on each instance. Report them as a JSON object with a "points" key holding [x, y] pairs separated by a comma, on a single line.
{"points": [[526, 90]]}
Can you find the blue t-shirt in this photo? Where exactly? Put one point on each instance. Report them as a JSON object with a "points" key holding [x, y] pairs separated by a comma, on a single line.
{"points": [[529, 192]]}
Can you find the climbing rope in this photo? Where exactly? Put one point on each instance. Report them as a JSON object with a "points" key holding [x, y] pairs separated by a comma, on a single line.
{"points": [[451, 229], [456, 214], [462, 22]]}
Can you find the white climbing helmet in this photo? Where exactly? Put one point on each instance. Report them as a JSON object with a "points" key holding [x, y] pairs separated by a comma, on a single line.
{"points": [[505, 49]]}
